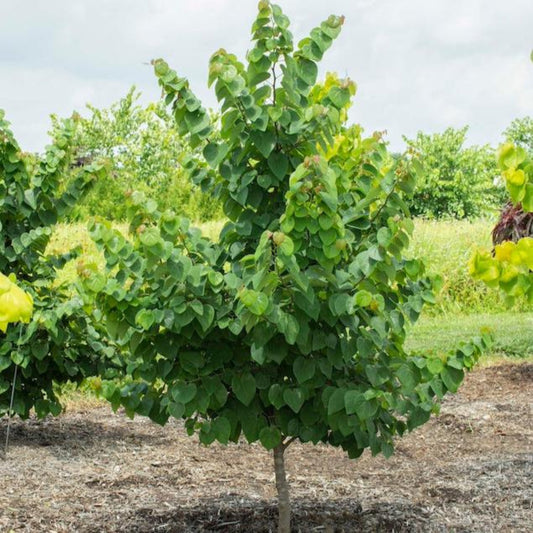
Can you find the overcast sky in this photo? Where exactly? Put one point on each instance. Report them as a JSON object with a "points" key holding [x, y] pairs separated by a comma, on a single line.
{"points": [[419, 64]]}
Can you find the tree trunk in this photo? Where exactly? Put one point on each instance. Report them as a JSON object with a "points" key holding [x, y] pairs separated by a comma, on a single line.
{"points": [[284, 503]]}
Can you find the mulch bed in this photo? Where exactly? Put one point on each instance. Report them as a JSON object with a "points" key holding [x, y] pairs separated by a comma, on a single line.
{"points": [[90, 470]]}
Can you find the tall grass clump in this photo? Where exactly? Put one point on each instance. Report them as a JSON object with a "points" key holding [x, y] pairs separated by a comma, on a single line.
{"points": [[445, 246]]}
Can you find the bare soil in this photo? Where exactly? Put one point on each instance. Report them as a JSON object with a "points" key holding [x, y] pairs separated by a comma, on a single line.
{"points": [[89, 470]]}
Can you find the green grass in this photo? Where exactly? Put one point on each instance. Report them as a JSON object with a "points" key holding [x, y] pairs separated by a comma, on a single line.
{"points": [[512, 333]]}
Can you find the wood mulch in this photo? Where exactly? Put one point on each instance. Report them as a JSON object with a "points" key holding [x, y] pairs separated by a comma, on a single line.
{"points": [[90, 470]]}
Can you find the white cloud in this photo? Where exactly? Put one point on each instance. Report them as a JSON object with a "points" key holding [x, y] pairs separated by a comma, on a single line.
{"points": [[42, 91], [419, 65]]}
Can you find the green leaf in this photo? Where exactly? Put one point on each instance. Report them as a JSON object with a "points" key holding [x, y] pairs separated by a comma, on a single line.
{"points": [[39, 349], [307, 71], [29, 197], [278, 164], [336, 401], [191, 360], [340, 304], [150, 237], [279, 18], [435, 365], [95, 282], [258, 353], [55, 408], [206, 435], [176, 409], [352, 401], [275, 396], [5, 362], [161, 67], [384, 237], [145, 318], [356, 403], [256, 302], [328, 236], [215, 278], [264, 142], [387, 449], [339, 97], [270, 437], [304, 369], [214, 153], [363, 298], [196, 121], [325, 222], [417, 417], [452, 378], [207, 317], [290, 327], [294, 398], [287, 246], [197, 307], [325, 367], [183, 392], [41, 408], [221, 429], [407, 377], [145, 406], [527, 200], [244, 387], [275, 113]]}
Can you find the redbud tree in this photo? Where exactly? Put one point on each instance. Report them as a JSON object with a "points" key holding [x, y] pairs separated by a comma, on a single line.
{"points": [[291, 326], [59, 343]]}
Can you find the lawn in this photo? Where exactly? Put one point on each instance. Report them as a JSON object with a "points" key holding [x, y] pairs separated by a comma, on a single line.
{"points": [[512, 333]]}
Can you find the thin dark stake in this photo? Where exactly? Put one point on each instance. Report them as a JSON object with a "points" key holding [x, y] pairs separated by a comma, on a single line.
{"points": [[10, 412], [12, 400]]}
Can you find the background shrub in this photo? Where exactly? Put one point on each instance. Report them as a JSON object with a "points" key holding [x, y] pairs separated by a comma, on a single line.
{"points": [[458, 182], [520, 133], [144, 151]]}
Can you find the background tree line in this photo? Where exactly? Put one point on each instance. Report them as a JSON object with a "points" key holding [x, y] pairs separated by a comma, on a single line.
{"points": [[146, 154]]}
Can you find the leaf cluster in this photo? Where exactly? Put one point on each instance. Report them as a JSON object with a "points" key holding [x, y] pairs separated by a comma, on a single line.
{"points": [[292, 324], [510, 266], [59, 343]]}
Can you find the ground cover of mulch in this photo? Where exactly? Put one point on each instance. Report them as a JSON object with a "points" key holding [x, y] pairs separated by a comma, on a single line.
{"points": [[90, 470]]}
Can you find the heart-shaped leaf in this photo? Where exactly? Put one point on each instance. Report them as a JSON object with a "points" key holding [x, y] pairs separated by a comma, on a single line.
{"points": [[304, 369], [244, 387], [294, 398]]}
